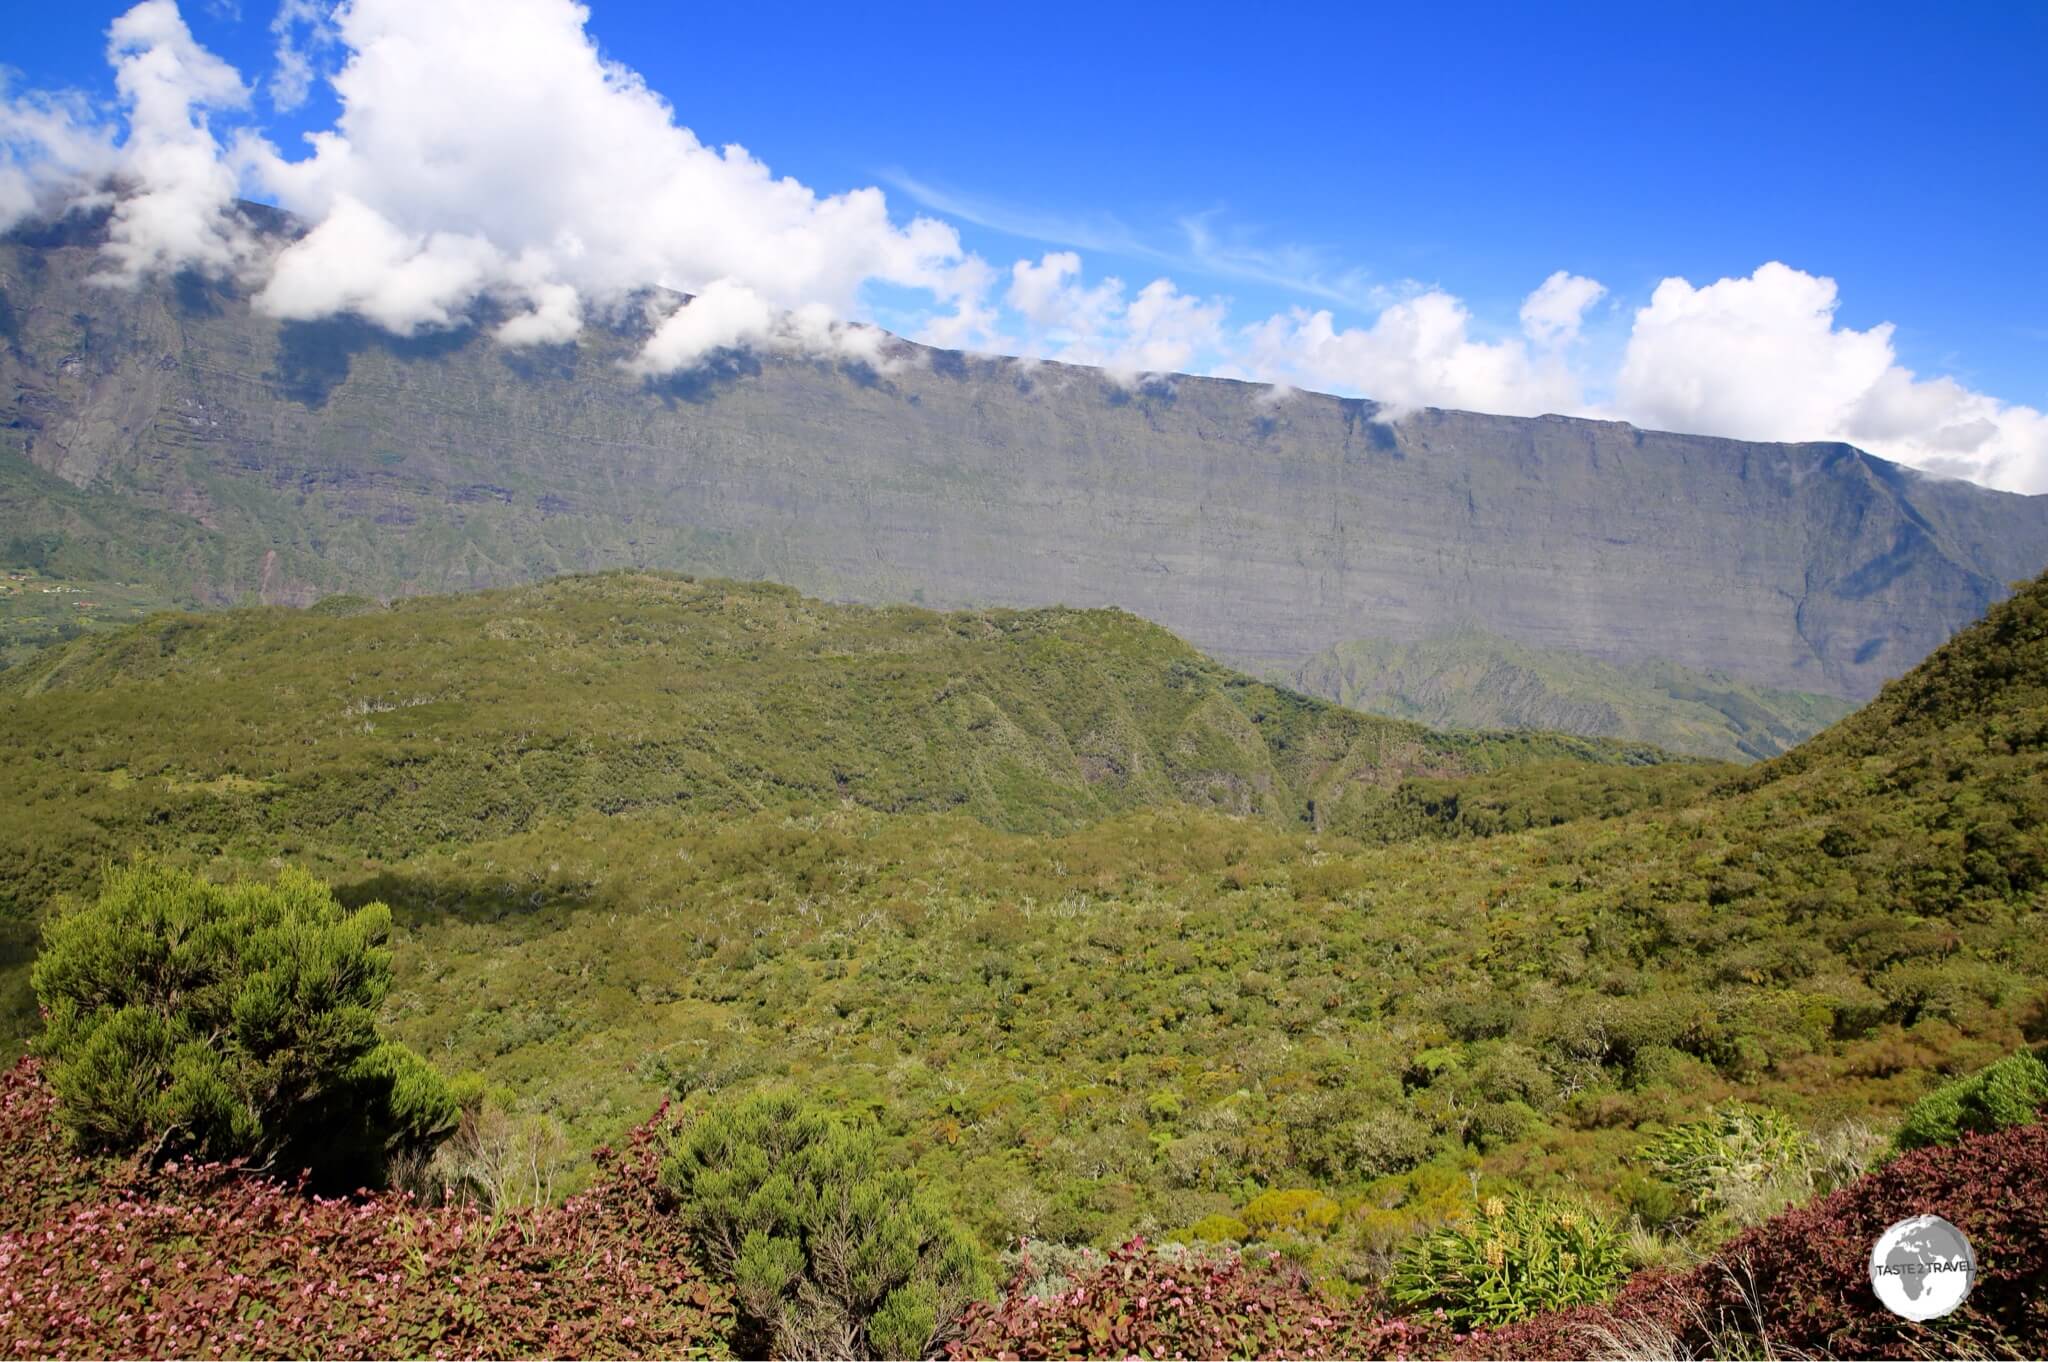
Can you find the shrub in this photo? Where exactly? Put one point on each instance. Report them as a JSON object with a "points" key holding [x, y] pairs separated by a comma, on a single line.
{"points": [[1218, 1229], [1740, 1163], [1516, 1257], [232, 1022], [1388, 1141], [1144, 1303], [106, 1259], [1799, 1284], [496, 1159], [2009, 1093], [1295, 1211], [831, 1253]]}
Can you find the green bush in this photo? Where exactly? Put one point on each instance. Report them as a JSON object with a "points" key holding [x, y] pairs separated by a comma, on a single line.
{"points": [[1217, 1229], [1741, 1164], [2011, 1092], [1296, 1210], [1516, 1257], [232, 1022], [831, 1253], [1389, 1140]]}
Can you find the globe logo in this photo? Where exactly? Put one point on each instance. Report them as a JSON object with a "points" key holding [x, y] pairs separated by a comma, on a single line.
{"points": [[1922, 1268]]}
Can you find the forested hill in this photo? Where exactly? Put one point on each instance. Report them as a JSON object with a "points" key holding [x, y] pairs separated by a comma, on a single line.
{"points": [[1045, 894], [353, 730]]}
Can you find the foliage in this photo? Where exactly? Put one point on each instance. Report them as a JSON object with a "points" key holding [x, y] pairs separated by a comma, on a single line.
{"points": [[1116, 1025], [498, 1157], [190, 1260], [1741, 1162], [386, 733], [1143, 1302], [1798, 1285], [831, 1252], [1517, 1256], [2010, 1092], [232, 1022], [1297, 1211]]}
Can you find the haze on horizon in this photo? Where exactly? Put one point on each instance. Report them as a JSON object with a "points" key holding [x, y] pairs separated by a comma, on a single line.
{"points": [[541, 155]]}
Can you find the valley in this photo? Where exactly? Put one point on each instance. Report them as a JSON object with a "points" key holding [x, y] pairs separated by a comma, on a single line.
{"points": [[1108, 939]]}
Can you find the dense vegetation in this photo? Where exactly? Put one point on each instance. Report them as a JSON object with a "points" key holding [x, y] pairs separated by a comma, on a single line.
{"points": [[1798, 1285], [190, 1019], [831, 1251], [1470, 679], [103, 1258], [1089, 939], [106, 560], [38, 610], [348, 732], [114, 1259]]}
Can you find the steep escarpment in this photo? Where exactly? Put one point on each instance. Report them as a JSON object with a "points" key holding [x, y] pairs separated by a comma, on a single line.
{"points": [[283, 461]]}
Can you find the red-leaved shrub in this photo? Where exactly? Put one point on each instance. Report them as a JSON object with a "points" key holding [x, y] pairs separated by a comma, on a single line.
{"points": [[114, 1260], [1140, 1304], [1801, 1281]]}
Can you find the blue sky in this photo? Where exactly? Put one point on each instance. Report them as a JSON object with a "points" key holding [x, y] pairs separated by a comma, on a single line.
{"points": [[1346, 157]]}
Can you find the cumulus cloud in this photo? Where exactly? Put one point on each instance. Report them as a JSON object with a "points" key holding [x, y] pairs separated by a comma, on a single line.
{"points": [[485, 152], [1417, 353], [1553, 313], [1762, 358], [53, 149], [526, 164], [356, 260], [173, 212], [1159, 330]]}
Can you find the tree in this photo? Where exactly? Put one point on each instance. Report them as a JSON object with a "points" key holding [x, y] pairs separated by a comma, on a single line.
{"points": [[831, 1253], [232, 1022]]}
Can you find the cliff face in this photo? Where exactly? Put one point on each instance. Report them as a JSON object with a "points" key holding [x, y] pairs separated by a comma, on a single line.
{"points": [[328, 457]]}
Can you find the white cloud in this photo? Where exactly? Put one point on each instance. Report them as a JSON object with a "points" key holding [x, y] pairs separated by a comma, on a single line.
{"points": [[973, 322], [1761, 358], [485, 147], [173, 211], [1049, 295], [53, 149], [486, 151], [724, 316], [1553, 314], [300, 29], [1161, 330], [357, 261], [1417, 353]]}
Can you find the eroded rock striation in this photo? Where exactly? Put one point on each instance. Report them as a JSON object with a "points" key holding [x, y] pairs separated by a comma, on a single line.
{"points": [[175, 431]]}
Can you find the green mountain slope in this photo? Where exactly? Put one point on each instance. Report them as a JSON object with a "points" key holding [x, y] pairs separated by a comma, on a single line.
{"points": [[352, 731], [991, 878], [1476, 680], [1147, 1020]]}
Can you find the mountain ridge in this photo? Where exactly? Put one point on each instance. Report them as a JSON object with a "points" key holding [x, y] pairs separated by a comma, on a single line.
{"points": [[292, 460]]}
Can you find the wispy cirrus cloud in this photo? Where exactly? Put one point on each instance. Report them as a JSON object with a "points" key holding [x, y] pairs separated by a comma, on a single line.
{"points": [[1199, 244]]}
